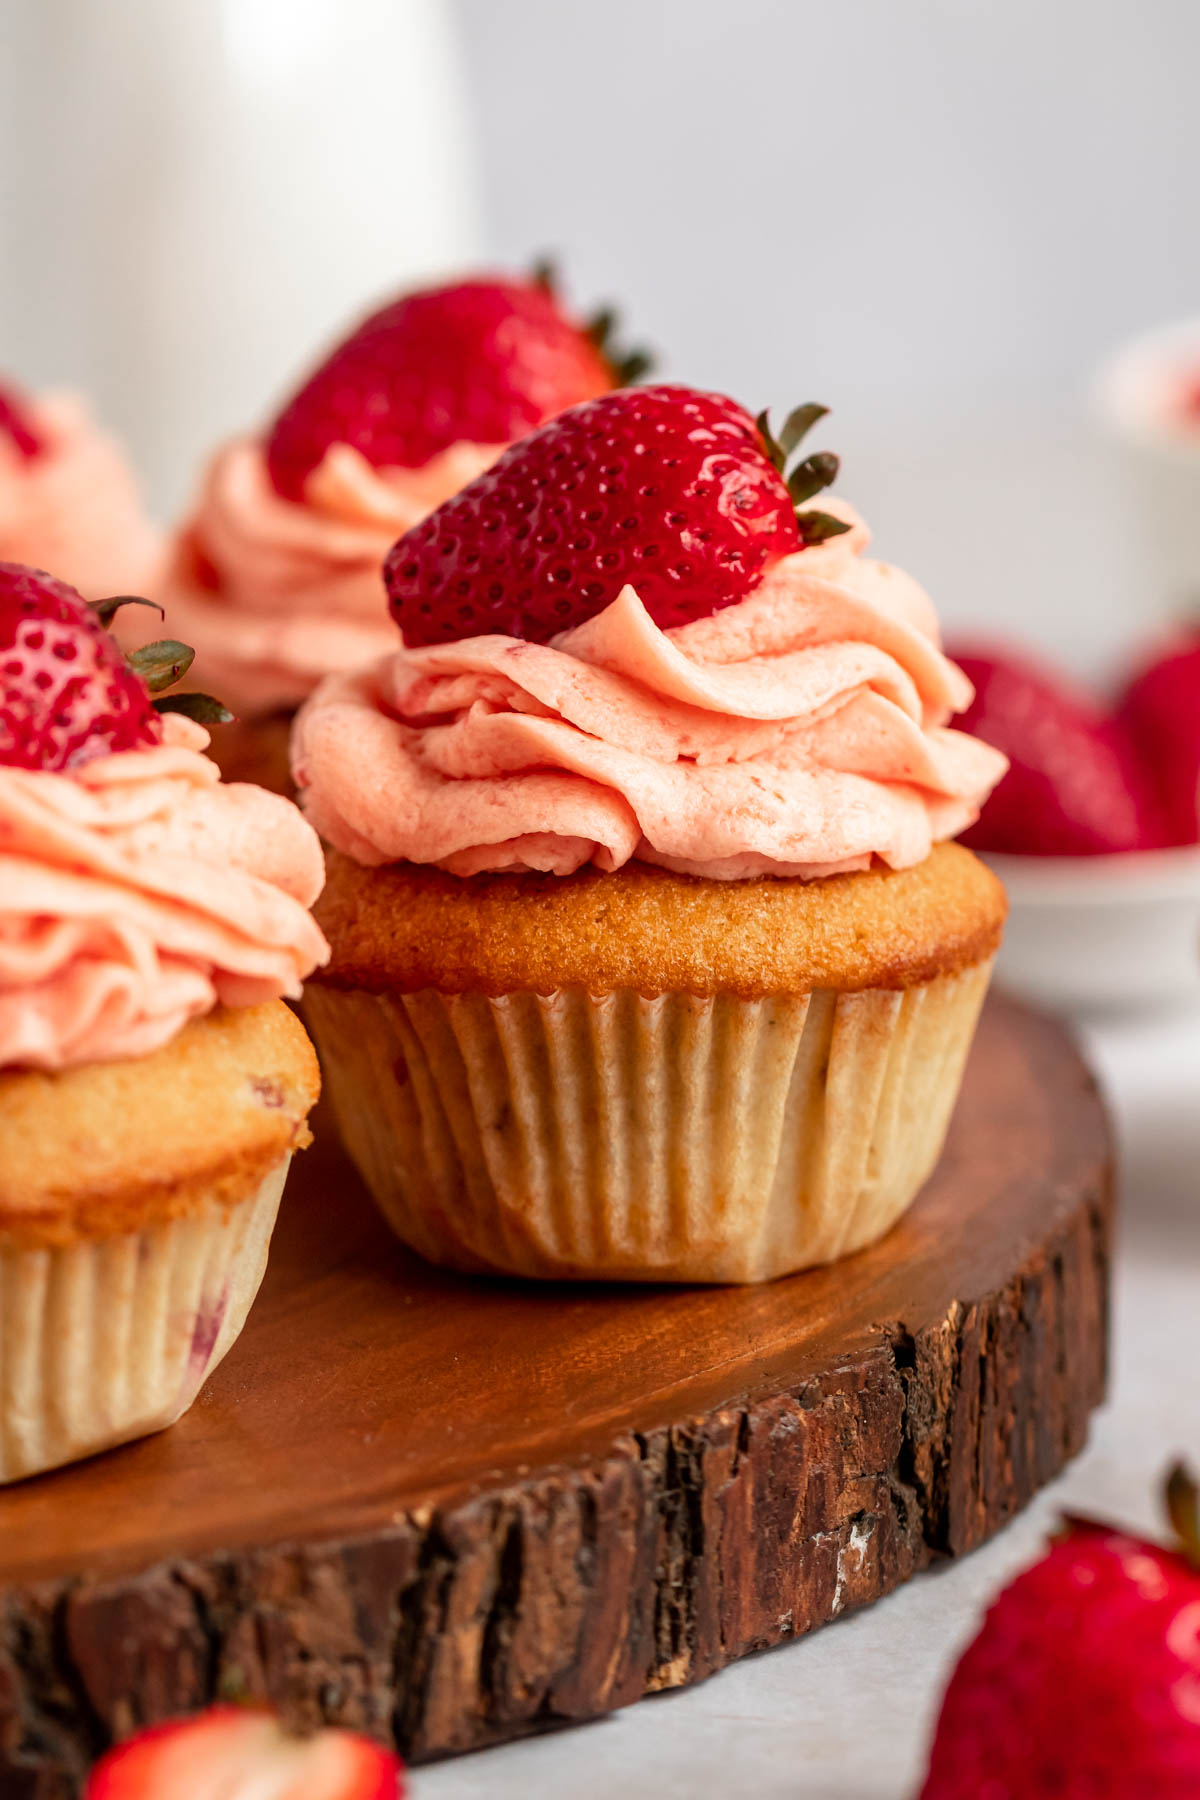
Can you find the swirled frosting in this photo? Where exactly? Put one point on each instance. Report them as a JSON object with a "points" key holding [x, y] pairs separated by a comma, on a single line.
{"points": [[802, 732], [74, 507], [138, 891], [273, 595]]}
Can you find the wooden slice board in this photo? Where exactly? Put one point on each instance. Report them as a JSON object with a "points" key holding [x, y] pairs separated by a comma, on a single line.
{"points": [[453, 1511]]}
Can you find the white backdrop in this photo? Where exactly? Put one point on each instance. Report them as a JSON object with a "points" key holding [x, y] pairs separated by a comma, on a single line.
{"points": [[935, 215], [195, 194]]}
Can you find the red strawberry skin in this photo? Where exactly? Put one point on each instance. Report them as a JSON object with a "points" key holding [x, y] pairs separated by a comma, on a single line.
{"points": [[1074, 786], [665, 487], [16, 425], [1083, 1684], [484, 361], [239, 1753], [1160, 712], [66, 693]]}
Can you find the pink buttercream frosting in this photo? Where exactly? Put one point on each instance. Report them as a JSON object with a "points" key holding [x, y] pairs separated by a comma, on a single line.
{"points": [[74, 507], [273, 595], [802, 732], [138, 891]]}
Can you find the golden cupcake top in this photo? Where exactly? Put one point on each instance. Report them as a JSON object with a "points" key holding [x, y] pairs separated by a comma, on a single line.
{"points": [[404, 928], [115, 1147]]}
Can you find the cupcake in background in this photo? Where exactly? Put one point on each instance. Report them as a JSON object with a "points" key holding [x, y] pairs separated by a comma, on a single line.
{"points": [[649, 959], [153, 1085], [68, 497], [275, 575]]}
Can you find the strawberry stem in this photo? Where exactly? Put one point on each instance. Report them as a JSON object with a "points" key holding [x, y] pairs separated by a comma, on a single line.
{"points": [[107, 610], [814, 473], [627, 366], [809, 477], [161, 664], [601, 329], [818, 527], [799, 423], [630, 368], [201, 707], [1183, 1510], [544, 273], [771, 444]]}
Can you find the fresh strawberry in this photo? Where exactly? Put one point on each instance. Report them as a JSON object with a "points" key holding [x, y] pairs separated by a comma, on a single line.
{"points": [[235, 1753], [1160, 711], [17, 426], [680, 492], [1085, 1678], [484, 361], [1074, 786], [66, 692]]}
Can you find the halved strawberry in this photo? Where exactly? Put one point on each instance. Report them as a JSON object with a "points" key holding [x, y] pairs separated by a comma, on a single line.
{"points": [[66, 692], [236, 1753], [16, 424], [483, 361], [1074, 786], [679, 492]]}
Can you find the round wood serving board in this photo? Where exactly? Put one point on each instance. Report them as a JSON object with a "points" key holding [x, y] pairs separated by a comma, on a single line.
{"points": [[451, 1511]]}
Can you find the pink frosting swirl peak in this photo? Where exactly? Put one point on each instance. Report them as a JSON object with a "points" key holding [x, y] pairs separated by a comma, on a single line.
{"points": [[138, 891], [273, 595], [73, 507], [802, 732]]}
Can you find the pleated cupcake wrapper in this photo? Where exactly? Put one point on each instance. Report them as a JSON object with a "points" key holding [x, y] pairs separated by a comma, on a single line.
{"points": [[107, 1340], [673, 1138]]}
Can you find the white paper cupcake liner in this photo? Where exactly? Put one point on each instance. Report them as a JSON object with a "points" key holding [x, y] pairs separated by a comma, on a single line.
{"points": [[674, 1138], [109, 1339]]}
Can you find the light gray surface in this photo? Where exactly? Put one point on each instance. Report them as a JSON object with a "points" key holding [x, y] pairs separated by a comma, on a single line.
{"points": [[845, 1715]]}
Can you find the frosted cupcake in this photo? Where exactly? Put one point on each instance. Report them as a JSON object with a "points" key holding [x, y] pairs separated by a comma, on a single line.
{"points": [[153, 1086], [275, 577], [68, 498], [649, 958]]}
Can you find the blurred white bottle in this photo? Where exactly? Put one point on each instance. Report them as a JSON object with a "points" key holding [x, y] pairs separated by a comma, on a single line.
{"points": [[196, 195]]}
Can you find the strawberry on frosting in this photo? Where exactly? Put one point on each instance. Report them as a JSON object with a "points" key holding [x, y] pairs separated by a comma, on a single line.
{"points": [[136, 889], [68, 498], [803, 732], [275, 577], [679, 492]]}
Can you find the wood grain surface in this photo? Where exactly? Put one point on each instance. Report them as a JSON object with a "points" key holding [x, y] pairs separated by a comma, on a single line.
{"points": [[450, 1511]]}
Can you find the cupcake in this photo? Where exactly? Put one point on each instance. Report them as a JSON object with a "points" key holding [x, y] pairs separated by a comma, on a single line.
{"points": [[275, 576], [68, 498], [650, 958], [153, 1085]]}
